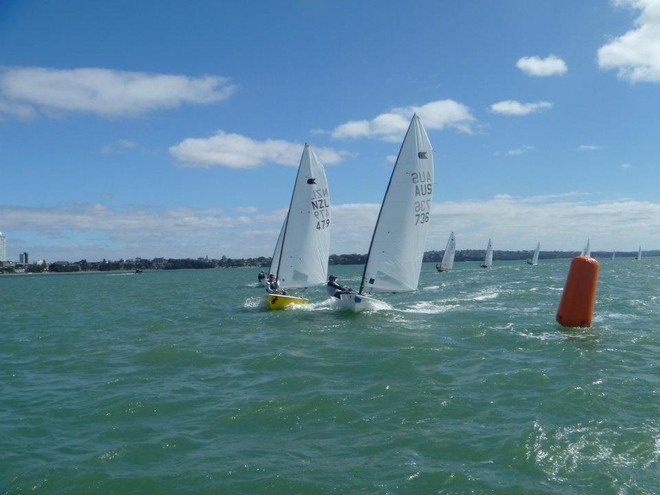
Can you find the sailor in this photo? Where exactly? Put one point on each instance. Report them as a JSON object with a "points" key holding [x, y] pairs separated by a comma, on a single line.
{"points": [[272, 287], [262, 276], [335, 289]]}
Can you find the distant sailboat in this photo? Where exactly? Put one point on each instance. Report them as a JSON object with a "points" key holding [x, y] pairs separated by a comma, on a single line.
{"points": [[447, 262], [613, 254], [639, 254], [397, 246], [488, 259], [303, 246], [535, 257], [586, 251]]}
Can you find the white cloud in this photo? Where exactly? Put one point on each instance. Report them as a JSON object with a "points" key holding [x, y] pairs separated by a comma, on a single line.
{"points": [[568, 220], [542, 67], [635, 55], [96, 231], [520, 151], [238, 151], [391, 126], [30, 91], [122, 146], [589, 147], [513, 107]]}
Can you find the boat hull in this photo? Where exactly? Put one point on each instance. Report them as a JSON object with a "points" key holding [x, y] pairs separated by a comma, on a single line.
{"points": [[280, 301], [358, 303]]}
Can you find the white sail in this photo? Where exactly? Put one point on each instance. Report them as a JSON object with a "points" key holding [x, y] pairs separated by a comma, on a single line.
{"points": [[275, 263], [395, 255], [586, 251], [488, 259], [535, 257], [639, 253], [613, 254], [447, 262], [301, 254]]}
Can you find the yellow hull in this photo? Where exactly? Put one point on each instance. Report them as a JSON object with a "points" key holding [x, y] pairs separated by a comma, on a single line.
{"points": [[278, 301]]}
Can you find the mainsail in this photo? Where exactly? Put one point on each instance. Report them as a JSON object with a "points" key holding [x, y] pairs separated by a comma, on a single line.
{"points": [[397, 246], [303, 246]]}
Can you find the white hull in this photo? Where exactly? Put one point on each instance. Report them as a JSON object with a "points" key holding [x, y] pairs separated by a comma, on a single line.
{"points": [[358, 303]]}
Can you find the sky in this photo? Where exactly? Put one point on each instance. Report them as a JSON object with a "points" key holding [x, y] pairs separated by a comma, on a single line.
{"points": [[170, 128]]}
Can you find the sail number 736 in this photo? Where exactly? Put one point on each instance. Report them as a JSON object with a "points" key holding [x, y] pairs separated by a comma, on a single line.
{"points": [[423, 187], [422, 210]]}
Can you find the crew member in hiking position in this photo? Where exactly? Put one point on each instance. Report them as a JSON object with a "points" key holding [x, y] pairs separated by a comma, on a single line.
{"points": [[335, 289], [272, 287]]}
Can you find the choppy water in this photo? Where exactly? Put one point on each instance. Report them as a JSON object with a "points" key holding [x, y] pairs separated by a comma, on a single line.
{"points": [[179, 382]]}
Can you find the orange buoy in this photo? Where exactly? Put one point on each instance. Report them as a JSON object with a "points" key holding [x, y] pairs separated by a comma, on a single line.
{"points": [[576, 308]]}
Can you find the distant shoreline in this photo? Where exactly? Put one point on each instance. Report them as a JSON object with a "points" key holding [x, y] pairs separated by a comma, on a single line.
{"points": [[139, 265]]}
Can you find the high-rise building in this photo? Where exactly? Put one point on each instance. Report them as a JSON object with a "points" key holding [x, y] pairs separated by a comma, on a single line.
{"points": [[24, 258], [3, 248]]}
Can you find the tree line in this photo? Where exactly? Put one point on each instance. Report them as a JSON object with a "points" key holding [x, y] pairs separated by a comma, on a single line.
{"points": [[140, 264]]}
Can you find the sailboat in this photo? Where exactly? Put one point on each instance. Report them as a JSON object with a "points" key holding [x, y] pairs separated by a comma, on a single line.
{"points": [[586, 251], [303, 246], [397, 246], [488, 259], [639, 254], [447, 262], [535, 257], [613, 254]]}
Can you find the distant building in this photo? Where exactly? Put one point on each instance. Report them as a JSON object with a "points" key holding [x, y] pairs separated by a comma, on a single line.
{"points": [[3, 248], [24, 258]]}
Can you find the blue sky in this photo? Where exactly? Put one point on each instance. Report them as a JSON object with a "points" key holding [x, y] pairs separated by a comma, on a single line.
{"points": [[170, 128]]}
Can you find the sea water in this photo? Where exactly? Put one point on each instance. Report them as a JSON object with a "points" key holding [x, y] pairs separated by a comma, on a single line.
{"points": [[182, 382]]}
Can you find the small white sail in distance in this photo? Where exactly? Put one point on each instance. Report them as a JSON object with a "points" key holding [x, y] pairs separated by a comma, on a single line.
{"points": [[447, 262], [488, 259], [535, 257]]}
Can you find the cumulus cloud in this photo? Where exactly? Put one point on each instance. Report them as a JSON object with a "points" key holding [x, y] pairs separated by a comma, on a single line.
{"points": [[391, 126], [238, 151], [31, 91], [542, 67], [513, 107], [635, 55]]}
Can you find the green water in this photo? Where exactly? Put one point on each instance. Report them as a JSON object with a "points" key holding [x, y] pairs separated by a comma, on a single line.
{"points": [[180, 382]]}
